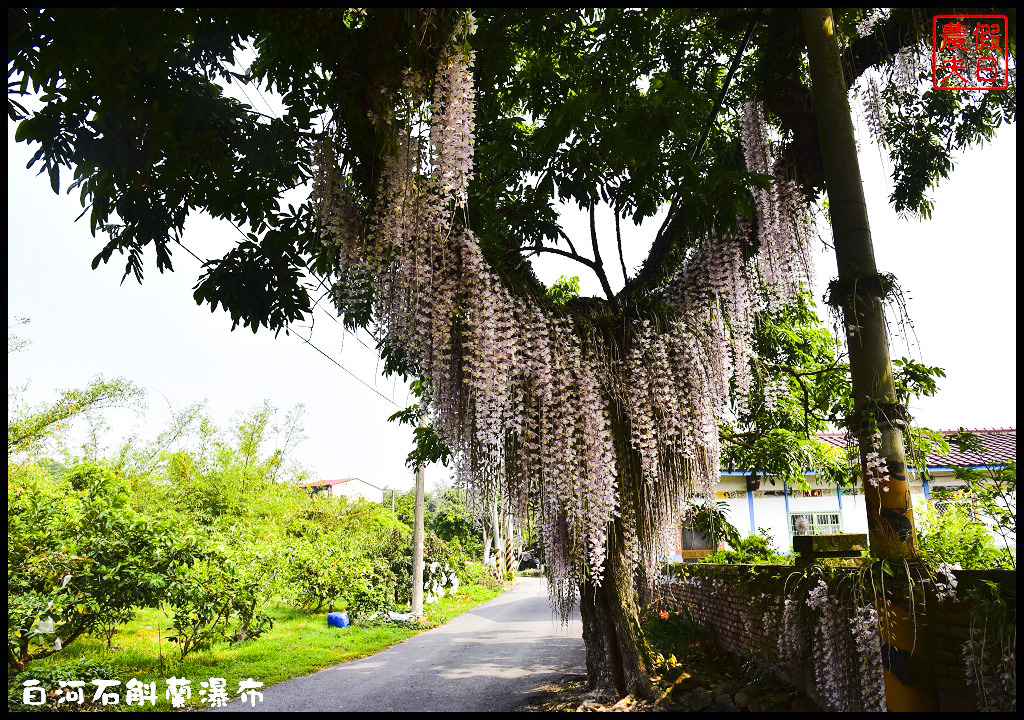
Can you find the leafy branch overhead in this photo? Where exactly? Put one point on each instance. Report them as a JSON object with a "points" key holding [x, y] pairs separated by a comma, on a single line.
{"points": [[579, 106]]}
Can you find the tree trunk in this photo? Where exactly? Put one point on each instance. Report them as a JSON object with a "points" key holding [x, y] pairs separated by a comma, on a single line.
{"points": [[618, 656], [861, 292], [417, 547], [487, 546]]}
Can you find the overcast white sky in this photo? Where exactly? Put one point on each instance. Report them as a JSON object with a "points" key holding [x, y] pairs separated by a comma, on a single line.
{"points": [[958, 270]]}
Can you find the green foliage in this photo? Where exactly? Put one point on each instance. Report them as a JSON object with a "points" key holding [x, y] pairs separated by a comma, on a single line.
{"points": [[451, 522], [921, 141], [914, 379], [564, 289], [954, 537], [993, 489], [751, 550], [348, 554], [28, 428], [206, 601], [797, 362], [799, 388], [325, 572], [77, 553], [990, 650], [428, 447], [995, 492], [209, 534], [711, 522]]}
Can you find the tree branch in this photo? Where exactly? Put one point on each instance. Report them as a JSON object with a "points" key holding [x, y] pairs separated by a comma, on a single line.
{"points": [[618, 239], [564, 253], [737, 56], [799, 377], [739, 438], [598, 264], [568, 242]]}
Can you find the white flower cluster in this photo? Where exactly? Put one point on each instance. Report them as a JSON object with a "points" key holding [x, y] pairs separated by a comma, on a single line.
{"points": [[451, 128], [874, 108], [784, 259], [910, 65], [832, 655], [872, 18], [789, 646], [868, 645], [877, 470], [439, 580], [990, 666], [818, 595], [945, 588]]}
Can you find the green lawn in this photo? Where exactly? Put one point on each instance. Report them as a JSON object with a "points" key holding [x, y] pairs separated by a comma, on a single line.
{"points": [[299, 643]]}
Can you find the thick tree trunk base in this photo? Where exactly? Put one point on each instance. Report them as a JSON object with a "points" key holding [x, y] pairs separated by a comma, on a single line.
{"points": [[618, 657]]}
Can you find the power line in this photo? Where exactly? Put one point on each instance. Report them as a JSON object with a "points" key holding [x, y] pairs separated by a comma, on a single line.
{"points": [[308, 342], [189, 252], [346, 369], [322, 281]]}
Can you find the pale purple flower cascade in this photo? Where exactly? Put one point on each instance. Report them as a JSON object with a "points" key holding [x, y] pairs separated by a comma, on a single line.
{"points": [[522, 399]]}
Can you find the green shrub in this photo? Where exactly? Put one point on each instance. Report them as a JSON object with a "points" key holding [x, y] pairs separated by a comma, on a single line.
{"points": [[77, 554], [212, 601], [953, 537], [320, 573], [751, 550], [473, 573]]}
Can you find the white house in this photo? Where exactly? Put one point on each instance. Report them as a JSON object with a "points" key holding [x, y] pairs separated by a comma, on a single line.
{"points": [[347, 487], [785, 511]]}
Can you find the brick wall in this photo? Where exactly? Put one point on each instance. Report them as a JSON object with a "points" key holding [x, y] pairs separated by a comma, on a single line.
{"points": [[748, 619], [950, 627]]}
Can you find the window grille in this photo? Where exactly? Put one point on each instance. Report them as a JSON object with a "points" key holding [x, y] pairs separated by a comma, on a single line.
{"points": [[944, 506], [815, 523]]}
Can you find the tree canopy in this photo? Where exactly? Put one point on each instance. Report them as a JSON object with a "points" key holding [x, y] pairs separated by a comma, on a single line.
{"points": [[574, 105]]}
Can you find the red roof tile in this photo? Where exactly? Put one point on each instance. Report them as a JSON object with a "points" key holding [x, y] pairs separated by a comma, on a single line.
{"points": [[1001, 445], [322, 483]]}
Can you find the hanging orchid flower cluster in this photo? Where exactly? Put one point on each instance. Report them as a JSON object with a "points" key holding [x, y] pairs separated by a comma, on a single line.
{"points": [[784, 258], [716, 297], [832, 675], [512, 390], [868, 643], [874, 108], [528, 404]]}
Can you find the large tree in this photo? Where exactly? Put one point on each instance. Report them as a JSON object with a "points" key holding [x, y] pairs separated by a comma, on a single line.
{"points": [[438, 156]]}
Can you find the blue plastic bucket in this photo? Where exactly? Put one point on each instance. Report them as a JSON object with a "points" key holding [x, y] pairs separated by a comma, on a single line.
{"points": [[338, 620]]}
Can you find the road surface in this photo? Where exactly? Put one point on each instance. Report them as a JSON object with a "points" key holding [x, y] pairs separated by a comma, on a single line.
{"points": [[488, 659]]}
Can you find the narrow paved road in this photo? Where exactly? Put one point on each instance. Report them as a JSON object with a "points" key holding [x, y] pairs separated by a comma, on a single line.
{"points": [[489, 659]]}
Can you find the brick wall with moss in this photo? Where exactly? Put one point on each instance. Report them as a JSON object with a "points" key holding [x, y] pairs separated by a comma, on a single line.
{"points": [[746, 607]]}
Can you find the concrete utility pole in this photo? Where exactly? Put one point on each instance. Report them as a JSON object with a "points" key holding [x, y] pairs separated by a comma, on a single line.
{"points": [[908, 678], [417, 543], [499, 547]]}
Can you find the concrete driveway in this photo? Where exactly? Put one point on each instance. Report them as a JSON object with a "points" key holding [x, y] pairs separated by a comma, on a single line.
{"points": [[489, 659]]}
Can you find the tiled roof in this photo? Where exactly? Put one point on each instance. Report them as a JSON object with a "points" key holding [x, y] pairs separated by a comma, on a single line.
{"points": [[1001, 444], [322, 483]]}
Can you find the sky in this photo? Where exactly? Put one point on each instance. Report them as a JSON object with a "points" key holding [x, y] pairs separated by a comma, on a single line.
{"points": [[958, 271]]}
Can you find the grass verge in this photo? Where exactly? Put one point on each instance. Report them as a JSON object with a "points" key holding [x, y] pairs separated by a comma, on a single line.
{"points": [[299, 643]]}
